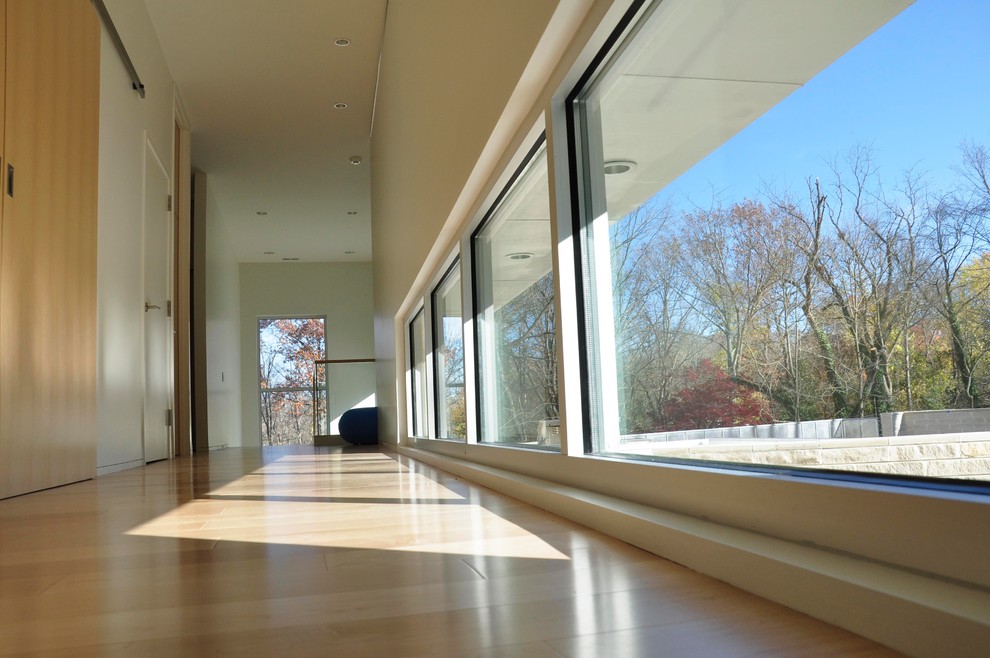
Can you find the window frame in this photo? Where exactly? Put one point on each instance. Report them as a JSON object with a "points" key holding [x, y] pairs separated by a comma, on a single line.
{"points": [[454, 266], [579, 194], [414, 429], [289, 389], [481, 391]]}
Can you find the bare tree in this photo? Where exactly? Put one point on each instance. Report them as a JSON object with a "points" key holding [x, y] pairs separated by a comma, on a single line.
{"points": [[810, 243], [870, 273], [956, 237], [862, 299], [728, 256], [287, 361], [656, 327], [526, 360]]}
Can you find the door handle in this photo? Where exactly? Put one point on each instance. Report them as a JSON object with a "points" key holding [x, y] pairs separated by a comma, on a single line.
{"points": [[148, 307]]}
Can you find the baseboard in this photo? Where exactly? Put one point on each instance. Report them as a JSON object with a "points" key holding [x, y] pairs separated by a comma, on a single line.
{"points": [[328, 440], [115, 468], [916, 613]]}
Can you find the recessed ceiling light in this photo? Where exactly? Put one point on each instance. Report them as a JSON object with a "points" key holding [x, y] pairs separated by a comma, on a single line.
{"points": [[261, 213], [355, 160], [615, 167], [269, 253], [519, 255], [352, 212], [340, 106], [350, 252], [290, 259], [342, 42]]}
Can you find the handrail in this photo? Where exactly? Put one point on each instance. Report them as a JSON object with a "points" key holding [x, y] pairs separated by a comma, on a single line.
{"points": [[316, 388], [285, 389], [344, 361]]}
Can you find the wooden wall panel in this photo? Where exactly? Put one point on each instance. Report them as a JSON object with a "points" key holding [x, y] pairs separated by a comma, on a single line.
{"points": [[48, 246], [5, 456], [3, 72]]}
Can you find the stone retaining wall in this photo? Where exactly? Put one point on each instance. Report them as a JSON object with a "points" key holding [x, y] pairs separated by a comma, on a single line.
{"points": [[899, 423], [835, 428], [954, 455]]}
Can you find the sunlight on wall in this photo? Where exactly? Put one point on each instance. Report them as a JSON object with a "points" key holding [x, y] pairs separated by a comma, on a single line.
{"points": [[367, 402]]}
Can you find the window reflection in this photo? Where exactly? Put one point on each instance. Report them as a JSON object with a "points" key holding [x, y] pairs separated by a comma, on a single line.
{"points": [[516, 324], [448, 356], [417, 352]]}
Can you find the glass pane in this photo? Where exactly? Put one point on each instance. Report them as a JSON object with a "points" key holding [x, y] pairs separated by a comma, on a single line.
{"points": [[417, 343], [787, 247], [517, 348], [448, 357], [287, 417], [287, 350], [321, 411]]}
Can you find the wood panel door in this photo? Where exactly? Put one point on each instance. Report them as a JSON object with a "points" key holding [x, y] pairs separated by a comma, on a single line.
{"points": [[157, 315], [48, 245]]}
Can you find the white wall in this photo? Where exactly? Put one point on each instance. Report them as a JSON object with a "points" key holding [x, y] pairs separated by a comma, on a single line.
{"points": [[340, 291], [125, 119], [223, 336], [439, 101]]}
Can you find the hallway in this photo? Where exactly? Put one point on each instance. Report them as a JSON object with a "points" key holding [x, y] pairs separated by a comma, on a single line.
{"points": [[347, 552]]}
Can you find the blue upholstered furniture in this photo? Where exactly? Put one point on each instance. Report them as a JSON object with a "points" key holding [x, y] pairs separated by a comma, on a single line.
{"points": [[359, 427]]}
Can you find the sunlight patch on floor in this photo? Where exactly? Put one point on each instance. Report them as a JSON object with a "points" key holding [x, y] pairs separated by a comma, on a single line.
{"points": [[361, 503]]}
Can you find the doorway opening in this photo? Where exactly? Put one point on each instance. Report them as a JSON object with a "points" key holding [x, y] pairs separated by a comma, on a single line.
{"points": [[287, 350]]}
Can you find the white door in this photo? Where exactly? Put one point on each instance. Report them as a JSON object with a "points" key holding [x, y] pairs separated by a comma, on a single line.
{"points": [[157, 323]]}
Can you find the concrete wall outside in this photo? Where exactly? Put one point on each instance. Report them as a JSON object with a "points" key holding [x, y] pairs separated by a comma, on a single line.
{"points": [[944, 420], [958, 455], [900, 423]]}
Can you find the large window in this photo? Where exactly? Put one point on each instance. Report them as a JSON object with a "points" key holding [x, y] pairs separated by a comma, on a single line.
{"points": [[515, 321], [287, 350], [418, 386], [785, 236], [448, 356]]}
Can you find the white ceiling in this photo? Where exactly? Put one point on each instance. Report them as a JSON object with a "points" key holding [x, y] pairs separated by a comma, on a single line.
{"points": [[520, 226], [259, 80], [703, 70]]}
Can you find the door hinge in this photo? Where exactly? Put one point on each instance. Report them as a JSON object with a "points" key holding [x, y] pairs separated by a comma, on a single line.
{"points": [[168, 308], [168, 418], [169, 203]]}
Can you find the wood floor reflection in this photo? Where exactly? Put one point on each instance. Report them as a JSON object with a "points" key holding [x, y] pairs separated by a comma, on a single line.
{"points": [[346, 552]]}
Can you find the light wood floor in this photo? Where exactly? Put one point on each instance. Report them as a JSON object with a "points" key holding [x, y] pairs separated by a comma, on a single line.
{"points": [[345, 552]]}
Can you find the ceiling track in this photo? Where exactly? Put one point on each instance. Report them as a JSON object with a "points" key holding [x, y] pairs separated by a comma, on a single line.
{"points": [[378, 73], [136, 83]]}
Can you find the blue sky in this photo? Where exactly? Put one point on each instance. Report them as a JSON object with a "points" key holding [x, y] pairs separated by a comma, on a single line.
{"points": [[913, 90]]}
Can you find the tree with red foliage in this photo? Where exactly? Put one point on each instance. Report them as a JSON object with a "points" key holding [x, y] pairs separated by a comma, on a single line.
{"points": [[712, 399], [288, 348]]}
